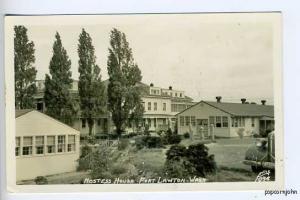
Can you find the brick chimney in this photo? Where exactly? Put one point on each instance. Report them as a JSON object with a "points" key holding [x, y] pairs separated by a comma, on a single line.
{"points": [[243, 100], [219, 99], [263, 102], [151, 84], [170, 87]]}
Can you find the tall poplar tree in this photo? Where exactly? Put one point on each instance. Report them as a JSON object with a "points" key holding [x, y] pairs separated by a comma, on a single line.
{"points": [[124, 92], [25, 72], [91, 89], [58, 100]]}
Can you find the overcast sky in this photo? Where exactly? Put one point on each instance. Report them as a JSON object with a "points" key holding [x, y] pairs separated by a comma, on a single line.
{"points": [[205, 55]]}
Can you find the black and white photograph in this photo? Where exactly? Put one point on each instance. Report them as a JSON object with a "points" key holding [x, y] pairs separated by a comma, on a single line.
{"points": [[162, 101]]}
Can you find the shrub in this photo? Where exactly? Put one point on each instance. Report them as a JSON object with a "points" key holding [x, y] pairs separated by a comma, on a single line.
{"points": [[117, 170], [85, 150], [186, 135], [191, 161], [203, 163], [41, 180], [148, 142], [123, 144], [171, 137]]}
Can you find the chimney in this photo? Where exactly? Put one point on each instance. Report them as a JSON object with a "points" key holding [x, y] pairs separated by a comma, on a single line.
{"points": [[170, 87], [218, 99], [263, 102], [151, 84], [243, 100]]}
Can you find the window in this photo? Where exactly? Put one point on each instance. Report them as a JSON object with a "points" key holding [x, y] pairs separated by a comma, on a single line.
{"points": [[39, 144], [181, 121], [61, 143], [144, 105], [71, 143], [164, 106], [218, 122], [175, 94], [225, 121], [155, 106], [50, 144], [252, 122], [187, 120], [193, 120], [99, 122], [212, 120], [27, 146], [83, 123], [180, 95], [149, 122], [17, 149], [154, 121], [149, 105]]}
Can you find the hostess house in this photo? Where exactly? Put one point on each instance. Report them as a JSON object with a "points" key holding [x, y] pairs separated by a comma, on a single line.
{"points": [[44, 146], [224, 119]]}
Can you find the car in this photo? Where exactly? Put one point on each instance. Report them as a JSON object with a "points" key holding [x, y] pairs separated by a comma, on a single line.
{"points": [[261, 155]]}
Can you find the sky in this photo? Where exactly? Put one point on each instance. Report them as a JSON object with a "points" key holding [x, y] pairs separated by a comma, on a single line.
{"points": [[205, 55]]}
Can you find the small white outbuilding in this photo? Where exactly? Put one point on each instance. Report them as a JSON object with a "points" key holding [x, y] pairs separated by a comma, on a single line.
{"points": [[44, 145]]}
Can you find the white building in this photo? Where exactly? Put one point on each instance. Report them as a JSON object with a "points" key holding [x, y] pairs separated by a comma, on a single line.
{"points": [[226, 119], [161, 105], [44, 146]]}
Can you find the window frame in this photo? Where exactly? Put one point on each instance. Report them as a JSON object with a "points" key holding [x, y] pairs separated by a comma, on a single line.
{"points": [[61, 144], [30, 147], [39, 146]]}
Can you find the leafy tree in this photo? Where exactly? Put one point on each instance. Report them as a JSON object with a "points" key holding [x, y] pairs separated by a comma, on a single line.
{"points": [[124, 93], [91, 90], [58, 100], [25, 73], [136, 116]]}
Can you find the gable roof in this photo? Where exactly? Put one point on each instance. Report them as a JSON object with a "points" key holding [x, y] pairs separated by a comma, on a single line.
{"points": [[22, 112], [19, 113], [239, 109]]}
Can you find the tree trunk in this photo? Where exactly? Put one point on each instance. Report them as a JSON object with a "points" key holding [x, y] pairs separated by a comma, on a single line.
{"points": [[90, 124]]}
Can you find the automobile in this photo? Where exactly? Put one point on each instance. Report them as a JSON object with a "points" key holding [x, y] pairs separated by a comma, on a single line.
{"points": [[261, 155]]}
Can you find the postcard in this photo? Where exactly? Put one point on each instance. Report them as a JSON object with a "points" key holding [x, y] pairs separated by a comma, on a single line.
{"points": [[144, 102]]}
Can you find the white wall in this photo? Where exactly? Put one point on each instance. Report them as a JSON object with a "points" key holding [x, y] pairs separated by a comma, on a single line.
{"points": [[203, 111], [33, 124], [32, 166]]}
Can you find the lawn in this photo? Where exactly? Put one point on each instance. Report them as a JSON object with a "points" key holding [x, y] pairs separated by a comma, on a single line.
{"points": [[229, 154]]}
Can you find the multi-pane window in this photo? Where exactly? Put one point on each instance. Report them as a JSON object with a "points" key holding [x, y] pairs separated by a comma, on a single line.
{"points": [[212, 120], [83, 123], [50, 144], [99, 122], [252, 122], [27, 146], [164, 106], [181, 121], [154, 122], [218, 121], [193, 120], [61, 141], [225, 121], [187, 120], [18, 142], [238, 121], [155, 106], [149, 122], [71, 143], [39, 144], [149, 105]]}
